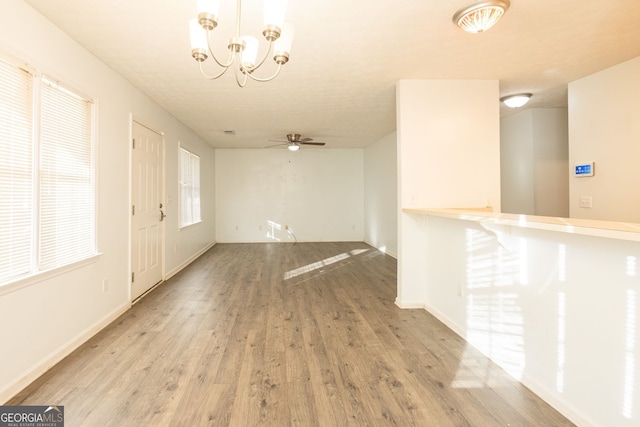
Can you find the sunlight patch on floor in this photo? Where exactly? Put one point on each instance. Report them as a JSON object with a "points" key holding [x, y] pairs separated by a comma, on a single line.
{"points": [[315, 266], [319, 265]]}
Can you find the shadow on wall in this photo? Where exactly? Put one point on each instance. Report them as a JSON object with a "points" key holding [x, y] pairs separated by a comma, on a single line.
{"points": [[524, 301]]}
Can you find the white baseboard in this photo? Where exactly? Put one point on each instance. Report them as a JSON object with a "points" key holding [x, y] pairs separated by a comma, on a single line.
{"points": [[543, 393], [13, 389], [391, 254], [409, 304], [169, 274], [557, 403], [444, 319]]}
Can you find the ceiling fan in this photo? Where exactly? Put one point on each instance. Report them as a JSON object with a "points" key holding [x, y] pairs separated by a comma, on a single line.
{"points": [[294, 141]]}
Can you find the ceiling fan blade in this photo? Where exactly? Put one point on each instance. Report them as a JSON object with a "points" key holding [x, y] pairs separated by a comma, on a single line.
{"points": [[277, 145], [305, 140], [313, 143], [277, 140]]}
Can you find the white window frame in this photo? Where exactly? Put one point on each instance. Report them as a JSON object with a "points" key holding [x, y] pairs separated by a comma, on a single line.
{"points": [[86, 181], [189, 187]]}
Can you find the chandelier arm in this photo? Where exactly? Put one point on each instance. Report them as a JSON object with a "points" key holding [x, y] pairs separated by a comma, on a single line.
{"points": [[229, 62], [211, 77], [258, 79], [243, 82]]}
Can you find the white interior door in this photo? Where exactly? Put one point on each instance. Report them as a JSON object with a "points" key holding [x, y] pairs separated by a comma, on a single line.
{"points": [[147, 210]]}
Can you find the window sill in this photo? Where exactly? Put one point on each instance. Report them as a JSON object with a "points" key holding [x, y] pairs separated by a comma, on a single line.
{"points": [[24, 282], [184, 227]]}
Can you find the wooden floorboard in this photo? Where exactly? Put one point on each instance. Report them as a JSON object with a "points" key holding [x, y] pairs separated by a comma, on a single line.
{"points": [[302, 334]]}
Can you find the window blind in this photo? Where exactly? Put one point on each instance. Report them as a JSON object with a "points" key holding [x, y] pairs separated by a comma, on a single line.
{"points": [[16, 170], [46, 175], [66, 178], [189, 187]]}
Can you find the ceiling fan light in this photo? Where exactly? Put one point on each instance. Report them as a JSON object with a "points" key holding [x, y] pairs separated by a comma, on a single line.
{"points": [[293, 147], [517, 100], [480, 15]]}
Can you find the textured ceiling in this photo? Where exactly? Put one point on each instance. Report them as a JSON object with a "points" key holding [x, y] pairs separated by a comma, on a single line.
{"points": [[339, 86]]}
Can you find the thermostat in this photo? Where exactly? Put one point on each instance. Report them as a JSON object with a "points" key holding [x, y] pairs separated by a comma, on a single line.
{"points": [[583, 169]]}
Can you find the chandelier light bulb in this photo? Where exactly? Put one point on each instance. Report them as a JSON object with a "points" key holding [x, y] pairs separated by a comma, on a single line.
{"points": [[284, 43], [209, 6], [274, 11], [198, 37], [250, 52], [208, 13]]}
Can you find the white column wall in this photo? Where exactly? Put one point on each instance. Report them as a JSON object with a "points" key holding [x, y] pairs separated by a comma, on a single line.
{"points": [[449, 156]]}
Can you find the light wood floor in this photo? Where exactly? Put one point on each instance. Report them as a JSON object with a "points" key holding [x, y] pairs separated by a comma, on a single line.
{"points": [[279, 335]]}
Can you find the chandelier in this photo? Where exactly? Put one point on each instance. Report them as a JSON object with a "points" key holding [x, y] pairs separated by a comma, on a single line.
{"points": [[480, 15], [243, 49]]}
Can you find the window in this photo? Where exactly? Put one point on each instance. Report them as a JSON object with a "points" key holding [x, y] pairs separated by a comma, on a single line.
{"points": [[47, 215], [189, 187]]}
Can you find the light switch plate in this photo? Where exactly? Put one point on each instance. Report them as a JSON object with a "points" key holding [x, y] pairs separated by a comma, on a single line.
{"points": [[586, 202]]}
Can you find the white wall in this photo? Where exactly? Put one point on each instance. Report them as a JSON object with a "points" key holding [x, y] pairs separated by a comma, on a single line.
{"points": [[381, 194], [182, 245], [41, 323], [449, 157], [559, 311], [534, 162], [516, 163], [551, 136], [318, 193], [604, 127]]}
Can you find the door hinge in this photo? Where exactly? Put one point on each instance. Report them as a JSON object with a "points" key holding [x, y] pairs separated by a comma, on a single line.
{"points": [[133, 209], [133, 277], [134, 143]]}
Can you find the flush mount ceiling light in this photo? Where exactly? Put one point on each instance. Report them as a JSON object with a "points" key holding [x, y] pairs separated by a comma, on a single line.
{"points": [[517, 100], [293, 146], [243, 50], [479, 16]]}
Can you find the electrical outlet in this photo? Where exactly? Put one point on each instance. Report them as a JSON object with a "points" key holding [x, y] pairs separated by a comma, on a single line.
{"points": [[586, 202], [105, 285]]}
